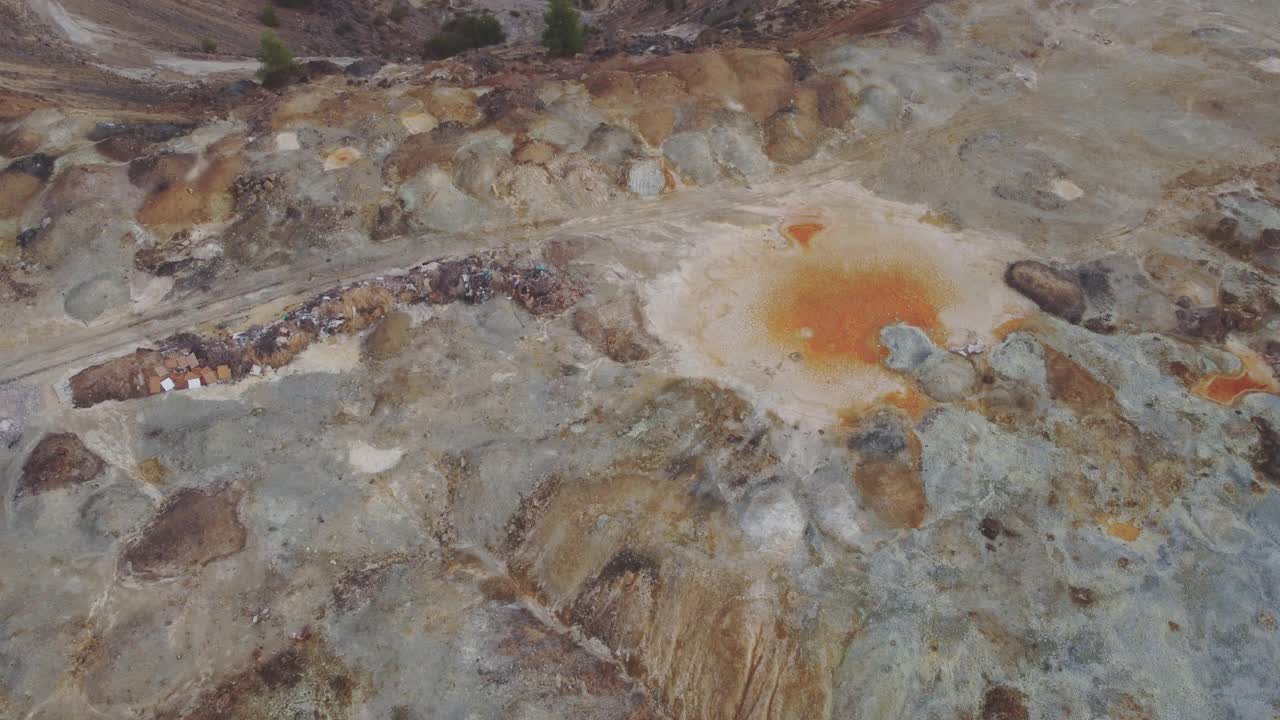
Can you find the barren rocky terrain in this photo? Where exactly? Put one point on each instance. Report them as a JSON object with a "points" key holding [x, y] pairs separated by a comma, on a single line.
{"points": [[858, 360]]}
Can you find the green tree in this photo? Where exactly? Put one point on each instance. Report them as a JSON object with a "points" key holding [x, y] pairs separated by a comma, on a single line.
{"points": [[464, 33], [268, 16], [277, 62], [564, 34]]}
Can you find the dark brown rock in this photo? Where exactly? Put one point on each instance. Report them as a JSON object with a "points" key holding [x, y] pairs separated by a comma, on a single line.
{"points": [[1226, 236], [39, 166], [990, 528], [1004, 703], [1269, 239], [1081, 596], [1266, 459], [322, 68], [1204, 322], [122, 147], [194, 528], [59, 460], [1054, 291]]}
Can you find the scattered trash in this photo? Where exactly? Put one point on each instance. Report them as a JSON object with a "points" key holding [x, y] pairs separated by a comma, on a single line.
{"points": [[184, 372]]}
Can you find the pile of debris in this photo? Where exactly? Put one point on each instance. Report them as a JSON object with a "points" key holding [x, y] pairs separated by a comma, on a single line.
{"points": [[184, 373], [189, 361]]}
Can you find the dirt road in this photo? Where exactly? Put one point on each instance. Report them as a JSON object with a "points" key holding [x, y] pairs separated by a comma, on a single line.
{"points": [[233, 300]]}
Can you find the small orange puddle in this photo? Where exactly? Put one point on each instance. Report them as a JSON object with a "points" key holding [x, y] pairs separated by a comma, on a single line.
{"points": [[802, 233], [833, 316], [1119, 529], [1226, 390]]}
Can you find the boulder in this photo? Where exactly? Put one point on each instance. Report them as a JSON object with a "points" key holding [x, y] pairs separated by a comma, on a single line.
{"points": [[1054, 291], [58, 461]]}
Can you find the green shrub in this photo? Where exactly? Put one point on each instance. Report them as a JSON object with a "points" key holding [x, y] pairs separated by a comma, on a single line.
{"points": [[444, 44], [208, 46], [268, 16], [564, 34], [398, 12], [344, 28], [277, 62], [464, 33], [479, 30], [296, 4]]}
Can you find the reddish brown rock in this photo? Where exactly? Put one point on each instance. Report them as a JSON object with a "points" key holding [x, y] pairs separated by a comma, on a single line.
{"points": [[59, 460], [1004, 703], [194, 528]]}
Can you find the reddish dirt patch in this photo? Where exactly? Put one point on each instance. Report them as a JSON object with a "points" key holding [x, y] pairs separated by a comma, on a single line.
{"points": [[207, 199], [802, 233], [1074, 386], [911, 401], [158, 172], [533, 648], [1004, 703], [619, 343], [834, 316], [1226, 390], [888, 477], [303, 680], [894, 492], [16, 188], [192, 529], [874, 19], [59, 460]]}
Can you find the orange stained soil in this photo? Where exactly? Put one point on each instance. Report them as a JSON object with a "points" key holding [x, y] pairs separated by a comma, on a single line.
{"points": [[833, 316], [1008, 327], [1119, 529], [802, 233], [910, 401], [1226, 390]]}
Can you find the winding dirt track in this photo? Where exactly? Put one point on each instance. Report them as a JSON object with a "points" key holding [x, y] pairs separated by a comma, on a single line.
{"points": [[236, 298]]}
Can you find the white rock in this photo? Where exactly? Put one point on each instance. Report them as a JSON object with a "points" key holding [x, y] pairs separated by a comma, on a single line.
{"points": [[1066, 189], [774, 521], [417, 123], [366, 458], [645, 177], [1271, 65], [287, 142]]}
